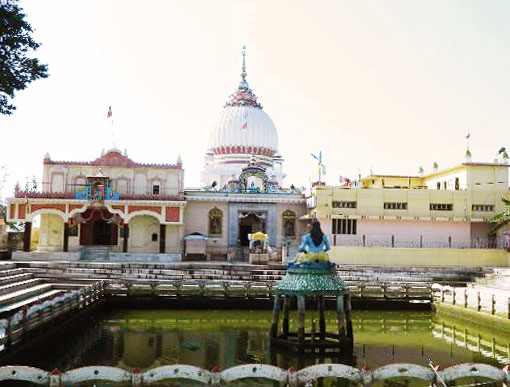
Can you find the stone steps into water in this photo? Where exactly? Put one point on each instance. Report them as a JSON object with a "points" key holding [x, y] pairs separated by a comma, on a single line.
{"points": [[15, 278], [13, 287], [19, 295], [28, 301]]}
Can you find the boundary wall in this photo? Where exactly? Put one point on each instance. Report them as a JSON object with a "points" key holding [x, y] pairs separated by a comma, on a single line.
{"points": [[391, 256]]}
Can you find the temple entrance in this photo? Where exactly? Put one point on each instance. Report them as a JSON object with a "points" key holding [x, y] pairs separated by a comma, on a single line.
{"points": [[98, 228], [101, 233], [249, 223]]}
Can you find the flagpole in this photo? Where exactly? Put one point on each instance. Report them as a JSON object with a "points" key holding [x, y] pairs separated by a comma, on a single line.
{"points": [[113, 134]]}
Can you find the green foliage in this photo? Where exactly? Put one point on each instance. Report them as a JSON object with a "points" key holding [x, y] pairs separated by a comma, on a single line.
{"points": [[501, 218], [17, 69]]}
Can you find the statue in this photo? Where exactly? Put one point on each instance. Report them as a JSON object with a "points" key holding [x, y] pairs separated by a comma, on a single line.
{"points": [[314, 246]]}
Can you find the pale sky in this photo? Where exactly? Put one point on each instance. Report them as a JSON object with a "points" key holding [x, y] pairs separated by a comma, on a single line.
{"points": [[387, 85]]}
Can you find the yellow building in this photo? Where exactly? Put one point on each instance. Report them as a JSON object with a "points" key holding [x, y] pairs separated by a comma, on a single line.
{"points": [[446, 208]]}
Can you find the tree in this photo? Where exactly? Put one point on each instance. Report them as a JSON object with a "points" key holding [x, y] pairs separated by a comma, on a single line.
{"points": [[17, 69], [500, 219]]}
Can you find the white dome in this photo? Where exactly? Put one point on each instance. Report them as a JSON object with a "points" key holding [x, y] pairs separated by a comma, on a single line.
{"points": [[243, 129]]}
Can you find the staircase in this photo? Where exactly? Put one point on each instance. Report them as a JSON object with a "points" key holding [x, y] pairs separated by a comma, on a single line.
{"points": [[19, 288], [499, 278]]}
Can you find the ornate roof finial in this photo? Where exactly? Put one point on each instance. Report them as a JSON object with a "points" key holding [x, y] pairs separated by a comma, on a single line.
{"points": [[244, 74]]}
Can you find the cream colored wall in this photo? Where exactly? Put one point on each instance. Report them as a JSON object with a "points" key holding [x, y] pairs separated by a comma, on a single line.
{"points": [[196, 219], [51, 233], [418, 257], [370, 202], [141, 229], [299, 210], [129, 180], [173, 239]]}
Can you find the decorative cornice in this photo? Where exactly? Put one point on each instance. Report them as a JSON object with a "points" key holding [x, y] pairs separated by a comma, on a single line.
{"points": [[113, 158]]}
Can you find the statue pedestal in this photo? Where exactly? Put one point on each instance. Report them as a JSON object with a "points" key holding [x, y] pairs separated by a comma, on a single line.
{"points": [[259, 259]]}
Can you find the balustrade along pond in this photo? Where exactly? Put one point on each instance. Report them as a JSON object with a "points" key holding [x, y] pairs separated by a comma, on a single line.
{"points": [[217, 340]]}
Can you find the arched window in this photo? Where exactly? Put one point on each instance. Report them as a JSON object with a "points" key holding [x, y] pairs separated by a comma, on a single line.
{"points": [[215, 221], [289, 224]]}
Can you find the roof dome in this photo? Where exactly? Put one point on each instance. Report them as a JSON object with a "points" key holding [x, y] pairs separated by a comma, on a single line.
{"points": [[243, 127]]}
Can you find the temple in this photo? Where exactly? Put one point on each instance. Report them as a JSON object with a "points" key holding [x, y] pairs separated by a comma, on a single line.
{"points": [[119, 209], [115, 208]]}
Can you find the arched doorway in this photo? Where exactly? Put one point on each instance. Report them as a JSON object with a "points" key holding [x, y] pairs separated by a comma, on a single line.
{"points": [[250, 222], [99, 228]]}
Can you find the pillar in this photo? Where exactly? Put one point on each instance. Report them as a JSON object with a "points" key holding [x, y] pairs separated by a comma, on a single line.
{"points": [[27, 236], [276, 311], [162, 238], [66, 237], [340, 312], [348, 320], [301, 323], [126, 237], [286, 309], [322, 319]]}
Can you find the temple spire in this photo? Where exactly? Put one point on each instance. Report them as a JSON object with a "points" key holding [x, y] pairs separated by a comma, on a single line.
{"points": [[244, 74]]}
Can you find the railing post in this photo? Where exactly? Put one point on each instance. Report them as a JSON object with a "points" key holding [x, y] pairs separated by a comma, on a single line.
{"points": [[454, 294], [393, 241], [465, 298], [442, 293], [493, 304], [508, 309], [364, 240], [478, 302]]}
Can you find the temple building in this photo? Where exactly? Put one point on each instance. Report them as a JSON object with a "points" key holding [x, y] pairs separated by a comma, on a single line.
{"points": [[447, 208], [116, 208]]}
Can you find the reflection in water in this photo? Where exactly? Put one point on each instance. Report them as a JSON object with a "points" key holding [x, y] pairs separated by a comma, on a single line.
{"points": [[149, 338]]}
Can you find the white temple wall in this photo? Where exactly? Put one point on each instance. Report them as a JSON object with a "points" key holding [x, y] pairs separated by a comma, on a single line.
{"points": [[141, 229], [51, 233]]}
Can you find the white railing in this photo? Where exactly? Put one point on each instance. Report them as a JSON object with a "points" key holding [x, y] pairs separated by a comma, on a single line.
{"points": [[477, 299], [291, 378], [15, 329]]}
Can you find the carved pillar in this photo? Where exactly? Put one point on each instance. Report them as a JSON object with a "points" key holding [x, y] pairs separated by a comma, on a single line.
{"points": [[126, 237], [162, 238], [66, 237], [27, 236]]}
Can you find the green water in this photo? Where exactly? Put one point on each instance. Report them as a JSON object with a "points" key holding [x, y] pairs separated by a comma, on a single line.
{"points": [[145, 339]]}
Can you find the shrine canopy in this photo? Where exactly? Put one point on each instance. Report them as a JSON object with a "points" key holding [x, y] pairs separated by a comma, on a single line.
{"points": [[311, 278]]}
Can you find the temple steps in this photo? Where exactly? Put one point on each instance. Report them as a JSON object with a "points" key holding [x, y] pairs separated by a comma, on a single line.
{"points": [[41, 297], [15, 296], [13, 287], [15, 278]]}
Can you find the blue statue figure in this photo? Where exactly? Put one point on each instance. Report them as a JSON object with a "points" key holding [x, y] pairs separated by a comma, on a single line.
{"points": [[314, 245]]}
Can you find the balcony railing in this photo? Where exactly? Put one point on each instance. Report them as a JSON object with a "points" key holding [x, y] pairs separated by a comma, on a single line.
{"points": [[501, 242]]}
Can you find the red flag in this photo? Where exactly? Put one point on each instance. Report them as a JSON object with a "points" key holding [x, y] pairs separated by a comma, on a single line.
{"points": [[109, 112], [245, 125], [468, 135]]}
